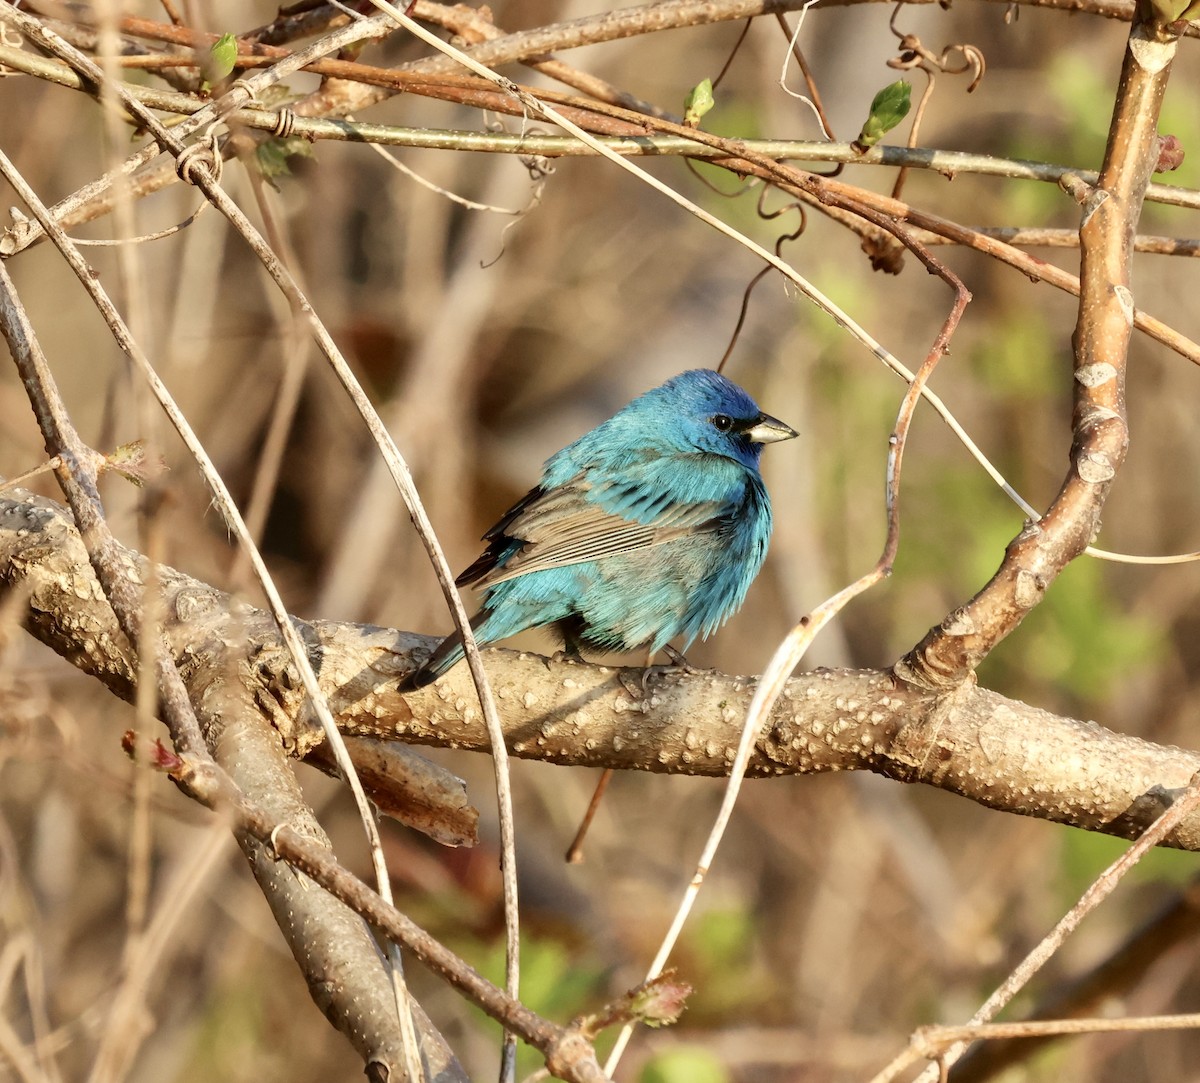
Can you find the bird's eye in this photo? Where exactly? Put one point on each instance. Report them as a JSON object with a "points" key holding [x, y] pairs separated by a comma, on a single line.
{"points": [[722, 422]]}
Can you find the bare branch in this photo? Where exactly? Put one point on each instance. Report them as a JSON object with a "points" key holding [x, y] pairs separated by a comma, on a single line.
{"points": [[970, 741]]}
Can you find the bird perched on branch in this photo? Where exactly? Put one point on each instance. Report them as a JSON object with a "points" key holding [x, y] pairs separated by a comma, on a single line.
{"points": [[650, 527]]}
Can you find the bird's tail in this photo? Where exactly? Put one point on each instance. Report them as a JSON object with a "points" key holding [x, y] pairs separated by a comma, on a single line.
{"points": [[445, 654]]}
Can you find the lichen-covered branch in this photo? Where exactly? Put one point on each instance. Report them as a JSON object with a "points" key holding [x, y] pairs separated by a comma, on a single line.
{"points": [[995, 751]]}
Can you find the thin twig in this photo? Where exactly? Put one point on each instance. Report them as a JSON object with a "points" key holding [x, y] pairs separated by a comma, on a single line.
{"points": [[950, 163], [221, 493], [239, 95], [1175, 924], [569, 1055], [12, 483], [1103, 886]]}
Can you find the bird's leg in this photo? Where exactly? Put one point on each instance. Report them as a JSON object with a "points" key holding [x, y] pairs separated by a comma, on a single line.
{"points": [[636, 690], [569, 630], [679, 662], [677, 658], [572, 651]]}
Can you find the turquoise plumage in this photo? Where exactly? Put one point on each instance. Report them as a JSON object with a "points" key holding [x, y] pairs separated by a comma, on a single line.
{"points": [[649, 528]]}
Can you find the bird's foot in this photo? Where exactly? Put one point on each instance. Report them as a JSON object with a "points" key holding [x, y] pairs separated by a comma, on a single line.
{"points": [[677, 664], [569, 654]]}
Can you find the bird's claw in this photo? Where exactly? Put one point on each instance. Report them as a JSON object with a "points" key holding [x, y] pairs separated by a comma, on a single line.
{"points": [[636, 690], [677, 664]]}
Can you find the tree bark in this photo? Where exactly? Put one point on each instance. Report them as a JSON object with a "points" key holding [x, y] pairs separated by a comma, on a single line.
{"points": [[996, 751]]}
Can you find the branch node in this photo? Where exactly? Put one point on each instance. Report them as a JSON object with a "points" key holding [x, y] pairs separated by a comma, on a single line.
{"points": [[1095, 468], [1125, 299], [1150, 54], [1076, 187], [1093, 375], [1029, 589]]}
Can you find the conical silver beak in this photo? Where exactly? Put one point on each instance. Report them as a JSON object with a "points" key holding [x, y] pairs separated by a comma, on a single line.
{"points": [[769, 430]]}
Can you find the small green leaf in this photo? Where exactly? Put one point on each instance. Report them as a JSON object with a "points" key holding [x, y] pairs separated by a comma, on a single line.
{"points": [[656, 1003], [222, 57], [1166, 12], [889, 107], [273, 154], [698, 102]]}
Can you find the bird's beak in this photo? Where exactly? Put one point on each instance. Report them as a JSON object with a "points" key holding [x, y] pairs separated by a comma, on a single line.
{"points": [[766, 429]]}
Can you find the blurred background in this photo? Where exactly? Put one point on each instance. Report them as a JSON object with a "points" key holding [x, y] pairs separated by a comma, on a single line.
{"points": [[842, 911]]}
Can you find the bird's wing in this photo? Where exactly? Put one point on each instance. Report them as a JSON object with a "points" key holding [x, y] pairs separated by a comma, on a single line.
{"points": [[561, 526]]}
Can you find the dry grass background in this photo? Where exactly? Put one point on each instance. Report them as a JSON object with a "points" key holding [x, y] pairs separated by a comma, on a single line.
{"points": [[842, 911]]}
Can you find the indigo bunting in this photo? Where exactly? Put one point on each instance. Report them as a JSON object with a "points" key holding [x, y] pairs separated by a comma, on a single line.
{"points": [[649, 527]]}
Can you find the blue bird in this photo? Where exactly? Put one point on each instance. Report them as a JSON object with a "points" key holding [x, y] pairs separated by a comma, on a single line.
{"points": [[650, 527]]}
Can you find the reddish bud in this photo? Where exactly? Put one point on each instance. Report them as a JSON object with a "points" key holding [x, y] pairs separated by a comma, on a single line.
{"points": [[151, 751], [660, 1001], [1170, 154]]}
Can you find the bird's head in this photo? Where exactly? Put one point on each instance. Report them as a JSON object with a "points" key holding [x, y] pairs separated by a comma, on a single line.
{"points": [[703, 410]]}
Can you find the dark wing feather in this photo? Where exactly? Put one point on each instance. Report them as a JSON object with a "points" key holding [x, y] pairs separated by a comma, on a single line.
{"points": [[561, 526], [501, 542]]}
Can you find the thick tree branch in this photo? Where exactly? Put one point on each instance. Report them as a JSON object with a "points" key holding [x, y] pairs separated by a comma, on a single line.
{"points": [[998, 752], [951, 652], [332, 946]]}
